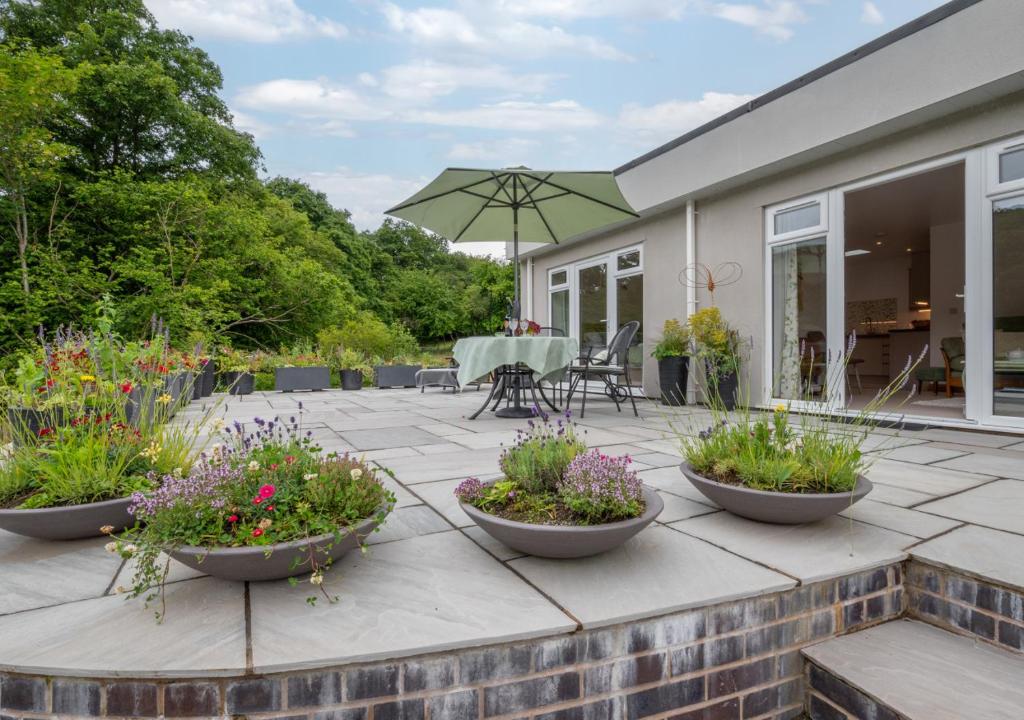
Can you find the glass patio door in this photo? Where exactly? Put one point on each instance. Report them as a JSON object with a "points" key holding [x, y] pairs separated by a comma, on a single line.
{"points": [[592, 296]]}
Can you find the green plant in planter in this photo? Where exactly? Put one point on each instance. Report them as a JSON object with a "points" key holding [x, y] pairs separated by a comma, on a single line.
{"points": [[259, 489], [551, 479], [231, 360], [352, 360], [767, 450], [675, 341], [715, 341]]}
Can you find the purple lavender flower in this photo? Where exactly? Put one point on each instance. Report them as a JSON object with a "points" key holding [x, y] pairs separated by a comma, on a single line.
{"points": [[469, 490], [601, 488]]}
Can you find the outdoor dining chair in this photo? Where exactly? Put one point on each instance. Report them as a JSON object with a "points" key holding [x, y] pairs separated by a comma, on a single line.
{"points": [[610, 366]]}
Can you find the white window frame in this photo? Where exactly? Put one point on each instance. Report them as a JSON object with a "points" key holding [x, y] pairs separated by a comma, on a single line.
{"points": [[559, 287], [992, 155], [834, 330]]}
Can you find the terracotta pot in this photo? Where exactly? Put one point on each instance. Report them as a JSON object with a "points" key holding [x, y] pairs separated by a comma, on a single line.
{"points": [[254, 564], [69, 522], [566, 541], [776, 507]]}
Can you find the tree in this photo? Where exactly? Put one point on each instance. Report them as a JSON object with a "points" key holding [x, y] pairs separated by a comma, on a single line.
{"points": [[33, 89], [148, 100]]}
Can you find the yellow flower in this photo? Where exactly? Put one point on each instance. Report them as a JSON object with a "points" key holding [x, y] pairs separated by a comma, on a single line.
{"points": [[780, 408], [164, 399], [87, 378], [152, 453]]}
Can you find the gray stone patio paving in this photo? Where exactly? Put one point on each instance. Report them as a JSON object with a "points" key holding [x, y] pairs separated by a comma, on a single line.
{"points": [[432, 580]]}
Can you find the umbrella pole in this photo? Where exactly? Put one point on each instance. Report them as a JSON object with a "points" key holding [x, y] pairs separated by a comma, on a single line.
{"points": [[515, 269]]}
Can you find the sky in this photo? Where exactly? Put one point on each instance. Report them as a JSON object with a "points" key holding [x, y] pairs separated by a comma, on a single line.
{"points": [[368, 100]]}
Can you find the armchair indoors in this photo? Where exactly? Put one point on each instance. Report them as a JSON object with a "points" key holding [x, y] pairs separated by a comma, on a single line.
{"points": [[953, 357]]}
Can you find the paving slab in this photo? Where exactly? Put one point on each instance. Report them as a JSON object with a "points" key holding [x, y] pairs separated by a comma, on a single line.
{"points": [[930, 480], [389, 454], [923, 454], [203, 633], [445, 466], [499, 550], [891, 517], [421, 595], [409, 522], [988, 554], [657, 572], [440, 496], [819, 551], [37, 573], [966, 437], [671, 480], [924, 673], [680, 508], [1006, 466], [998, 505], [658, 460], [390, 437], [898, 496]]}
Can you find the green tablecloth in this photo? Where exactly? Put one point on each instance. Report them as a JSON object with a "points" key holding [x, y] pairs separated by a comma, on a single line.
{"points": [[546, 356]]}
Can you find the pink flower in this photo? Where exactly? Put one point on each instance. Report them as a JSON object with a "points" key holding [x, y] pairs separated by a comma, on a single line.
{"points": [[257, 500], [233, 519], [257, 532], [267, 491], [289, 459]]}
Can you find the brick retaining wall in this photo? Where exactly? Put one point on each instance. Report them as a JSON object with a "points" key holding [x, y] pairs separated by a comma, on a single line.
{"points": [[736, 660], [965, 605]]}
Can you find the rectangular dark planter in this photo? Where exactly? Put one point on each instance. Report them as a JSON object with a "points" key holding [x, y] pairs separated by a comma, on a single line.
{"points": [[287, 379], [26, 423], [395, 375], [208, 379], [238, 383], [351, 379]]}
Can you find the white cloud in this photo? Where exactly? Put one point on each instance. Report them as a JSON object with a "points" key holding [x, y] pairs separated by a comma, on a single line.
{"points": [[507, 152], [425, 80], [263, 21], [514, 115], [491, 32], [871, 14], [252, 125], [310, 98], [665, 120], [774, 18], [365, 195], [577, 9]]}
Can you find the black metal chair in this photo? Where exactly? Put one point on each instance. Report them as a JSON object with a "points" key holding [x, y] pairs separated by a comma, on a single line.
{"points": [[611, 366]]}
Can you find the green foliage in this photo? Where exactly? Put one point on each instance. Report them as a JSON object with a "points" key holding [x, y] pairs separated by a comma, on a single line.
{"points": [[675, 340], [717, 343], [541, 454], [123, 177]]}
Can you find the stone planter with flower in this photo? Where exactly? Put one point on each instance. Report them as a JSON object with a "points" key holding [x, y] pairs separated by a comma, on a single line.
{"points": [[265, 505], [557, 499]]}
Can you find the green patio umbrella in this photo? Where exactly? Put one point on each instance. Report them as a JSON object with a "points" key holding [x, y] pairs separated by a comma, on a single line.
{"points": [[536, 206]]}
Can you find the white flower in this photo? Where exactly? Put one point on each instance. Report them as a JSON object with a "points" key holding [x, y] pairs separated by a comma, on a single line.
{"points": [[309, 476], [177, 472], [215, 448], [253, 465], [356, 473], [130, 549], [317, 578], [219, 424], [110, 547]]}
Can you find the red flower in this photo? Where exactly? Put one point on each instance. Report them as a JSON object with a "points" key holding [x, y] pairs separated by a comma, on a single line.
{"points": [[43, 432], [126, 388], [257, 500], [267, 491], [162, 369], [289, 459], [270, 508], [233, 519], [50, 382], [273, 466], [257, 532]]}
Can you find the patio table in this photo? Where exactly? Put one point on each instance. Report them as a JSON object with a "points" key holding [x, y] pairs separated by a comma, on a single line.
{"points": [[546, 357]]}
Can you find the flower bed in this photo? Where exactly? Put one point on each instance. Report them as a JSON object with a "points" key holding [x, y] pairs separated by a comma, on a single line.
{"points": [[272, 490], [552, 481]]}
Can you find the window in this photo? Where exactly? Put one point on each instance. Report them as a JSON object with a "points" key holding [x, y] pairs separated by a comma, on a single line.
{"points": [[558, 301], [628, 260], [799, 344], [559, 277], [1011, 165], [798, 218]]}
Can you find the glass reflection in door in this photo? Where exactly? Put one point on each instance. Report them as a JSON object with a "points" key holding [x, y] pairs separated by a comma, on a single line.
{"points": [[1008, 307], [592, 284]]}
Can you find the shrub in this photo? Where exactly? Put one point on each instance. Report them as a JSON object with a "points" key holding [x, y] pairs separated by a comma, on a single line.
{"points": [[541, 453], [716, 342], [369, 335], [675, 340], [599, 488]]}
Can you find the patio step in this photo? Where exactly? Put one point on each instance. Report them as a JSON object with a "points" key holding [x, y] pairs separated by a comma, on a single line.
{"points": [[907, 670]]}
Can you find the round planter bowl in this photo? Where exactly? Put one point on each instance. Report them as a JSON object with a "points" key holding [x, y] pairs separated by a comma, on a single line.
{"points": [[70, 522], [776, 507], [254, 564], [566, 541]]}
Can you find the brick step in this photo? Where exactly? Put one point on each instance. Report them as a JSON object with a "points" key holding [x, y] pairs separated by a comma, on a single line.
{"points": [[907, 670]]}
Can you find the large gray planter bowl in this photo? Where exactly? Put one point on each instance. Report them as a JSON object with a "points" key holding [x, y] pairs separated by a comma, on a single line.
{"points": [[255, 564], [566, 541], [776, 507], [69, 522]]}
